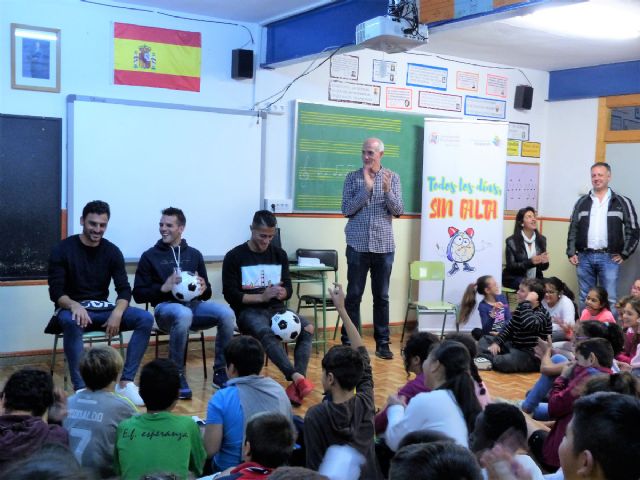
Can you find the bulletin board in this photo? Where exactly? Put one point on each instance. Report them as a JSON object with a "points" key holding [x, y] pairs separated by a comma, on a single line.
{"points": [[522, 186]]}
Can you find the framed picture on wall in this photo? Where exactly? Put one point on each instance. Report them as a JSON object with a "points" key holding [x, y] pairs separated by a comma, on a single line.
{"points": [[35, 58]]}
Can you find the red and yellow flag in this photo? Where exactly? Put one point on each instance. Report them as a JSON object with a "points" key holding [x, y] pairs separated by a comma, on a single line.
{"points": [[156, 57]]}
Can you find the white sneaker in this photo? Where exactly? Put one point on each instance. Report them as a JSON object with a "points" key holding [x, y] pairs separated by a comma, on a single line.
{"points": [[130, 391], [482, 363]]}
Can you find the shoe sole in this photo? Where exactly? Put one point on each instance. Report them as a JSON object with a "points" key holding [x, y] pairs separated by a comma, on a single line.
{"points": [[185, 397], [384, 356]]}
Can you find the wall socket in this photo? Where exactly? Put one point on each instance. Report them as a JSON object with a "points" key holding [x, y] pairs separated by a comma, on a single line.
{"points": [[278, 205]]}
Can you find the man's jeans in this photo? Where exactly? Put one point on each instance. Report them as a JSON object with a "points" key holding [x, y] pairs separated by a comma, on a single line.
{"points": [[257, 323], [177, 319], [597, 269], [358, 265], [136, 319]]}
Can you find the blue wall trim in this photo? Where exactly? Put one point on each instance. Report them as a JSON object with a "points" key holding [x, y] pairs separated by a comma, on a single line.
{"points": [[311, 32], [597, 81]]}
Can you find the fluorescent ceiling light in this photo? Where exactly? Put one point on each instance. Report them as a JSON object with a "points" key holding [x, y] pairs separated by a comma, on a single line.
{"points": [[608, 20], [36, 35]]}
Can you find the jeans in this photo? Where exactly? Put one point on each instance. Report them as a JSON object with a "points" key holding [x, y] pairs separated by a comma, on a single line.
{"points": [[597, 269], [136, 319], [358, 265], [257, 323], [532, 402], [510, 359], [177, 319]]}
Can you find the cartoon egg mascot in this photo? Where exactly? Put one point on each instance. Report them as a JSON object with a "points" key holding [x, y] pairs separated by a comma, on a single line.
{"points": [[461, 249]]}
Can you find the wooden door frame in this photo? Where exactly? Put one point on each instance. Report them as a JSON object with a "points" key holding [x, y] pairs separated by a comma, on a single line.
{"points": [[604, 134]]}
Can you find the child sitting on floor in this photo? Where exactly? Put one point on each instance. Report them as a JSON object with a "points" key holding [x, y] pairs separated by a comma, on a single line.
{"points": [[95, 412], [597, 306], [158, 441], [512, 350], [493, 308]]}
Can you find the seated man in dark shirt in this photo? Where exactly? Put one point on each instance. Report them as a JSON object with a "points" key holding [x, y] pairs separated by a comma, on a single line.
{"points": [[256, 283], [81, 268]]}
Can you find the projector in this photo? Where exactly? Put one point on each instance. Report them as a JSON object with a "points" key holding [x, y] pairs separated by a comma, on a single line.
{"points": [[387, 34]]}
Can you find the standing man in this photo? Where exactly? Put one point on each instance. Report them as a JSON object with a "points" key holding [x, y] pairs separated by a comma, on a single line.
{"points": [[371, 198], [158, 272], [81, 268], [603, 233], [256, 283]]}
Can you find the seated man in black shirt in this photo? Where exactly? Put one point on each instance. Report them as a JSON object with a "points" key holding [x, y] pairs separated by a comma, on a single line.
{"points": [[256, 283], [81, 268]]}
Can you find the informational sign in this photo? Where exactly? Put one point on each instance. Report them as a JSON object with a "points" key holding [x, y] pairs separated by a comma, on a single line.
{"points": [[522, 186], [513, 148], [519, 131], [496, 86], [427, 76], [399, 98], [462, 205], [484, 107], [344, 66], [439, 101], [340, 91], [384, 71], [467, 81], [531, 149]]}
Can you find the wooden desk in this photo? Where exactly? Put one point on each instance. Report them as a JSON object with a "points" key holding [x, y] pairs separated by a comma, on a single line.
{"points": [[318, 275]]}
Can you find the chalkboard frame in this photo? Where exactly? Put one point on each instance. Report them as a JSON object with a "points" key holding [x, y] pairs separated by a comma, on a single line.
{"points": [[35, 223], [411, 179]]}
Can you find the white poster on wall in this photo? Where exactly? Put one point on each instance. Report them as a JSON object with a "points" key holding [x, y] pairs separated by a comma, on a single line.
{"points": [[462, 206]]}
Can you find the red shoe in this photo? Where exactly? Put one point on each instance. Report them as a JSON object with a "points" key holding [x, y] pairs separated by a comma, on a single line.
{"points": [[294, 396], [304, 387]]}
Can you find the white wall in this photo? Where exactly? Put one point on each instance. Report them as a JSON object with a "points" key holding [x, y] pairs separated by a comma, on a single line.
{"points": [[87, 69]]}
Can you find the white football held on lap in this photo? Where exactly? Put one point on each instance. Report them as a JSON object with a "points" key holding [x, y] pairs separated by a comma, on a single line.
{"points": [[286, 325], [187, 289]]}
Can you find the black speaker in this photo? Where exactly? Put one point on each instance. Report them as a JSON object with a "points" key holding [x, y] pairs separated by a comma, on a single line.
{"points": [[524, 97], [241, 63]]}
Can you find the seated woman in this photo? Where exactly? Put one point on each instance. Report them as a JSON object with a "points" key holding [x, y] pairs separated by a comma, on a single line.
{"points": [[451, 407], [526, 250], [559, 302]]}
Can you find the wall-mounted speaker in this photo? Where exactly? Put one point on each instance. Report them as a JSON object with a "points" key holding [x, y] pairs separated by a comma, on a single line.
{"points": [[241, 63], [523, 98]]}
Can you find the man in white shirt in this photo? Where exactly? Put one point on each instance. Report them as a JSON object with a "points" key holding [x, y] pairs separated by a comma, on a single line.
{"points": [[603, 233]]}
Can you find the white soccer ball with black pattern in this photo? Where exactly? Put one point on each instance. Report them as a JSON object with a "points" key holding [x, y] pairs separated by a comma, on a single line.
{"points": [[187, 289], [286, 326]]}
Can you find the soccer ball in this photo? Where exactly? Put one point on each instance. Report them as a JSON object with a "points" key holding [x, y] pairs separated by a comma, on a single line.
{"points": [[187, 289], [286, 325]]}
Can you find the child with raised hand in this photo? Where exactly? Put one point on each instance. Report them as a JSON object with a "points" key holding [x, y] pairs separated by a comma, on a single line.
{"points": [[493, 308], [559, 302], [597, 306], [346, 419]]}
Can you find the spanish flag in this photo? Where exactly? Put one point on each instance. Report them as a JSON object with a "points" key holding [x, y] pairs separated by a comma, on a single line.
{"points": [[156, 57]]}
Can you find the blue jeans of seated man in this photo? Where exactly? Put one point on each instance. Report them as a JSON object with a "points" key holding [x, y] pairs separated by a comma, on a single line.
{"points": [[533, 401], [358, 265], [257, 323], [597, 269], [136, 319], [177, 319]]}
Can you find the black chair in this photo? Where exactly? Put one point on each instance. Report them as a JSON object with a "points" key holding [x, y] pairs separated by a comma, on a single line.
{"points": [[314, 300], [157, 332]]}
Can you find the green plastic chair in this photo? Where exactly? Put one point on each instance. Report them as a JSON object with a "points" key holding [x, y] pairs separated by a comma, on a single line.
{"points": [[431, 272]]}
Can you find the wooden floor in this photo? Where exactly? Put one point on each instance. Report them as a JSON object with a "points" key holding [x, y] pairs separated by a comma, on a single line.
{"points": [[389, 375]]}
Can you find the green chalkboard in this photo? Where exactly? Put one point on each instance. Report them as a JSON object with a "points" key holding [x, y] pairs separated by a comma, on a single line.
{"points": [[328, 146]]}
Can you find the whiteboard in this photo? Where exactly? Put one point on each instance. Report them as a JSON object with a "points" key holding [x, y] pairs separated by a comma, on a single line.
{"points": [[142, 157]]}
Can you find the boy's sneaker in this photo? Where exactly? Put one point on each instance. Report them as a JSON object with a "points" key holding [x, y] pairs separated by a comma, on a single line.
{"points": [[220, 378], [383, 352], [130, 391], [482, 363], [294, 396], [185, 392], [304, 387]]}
